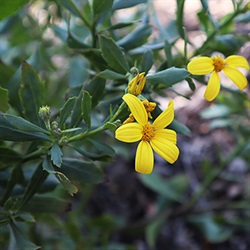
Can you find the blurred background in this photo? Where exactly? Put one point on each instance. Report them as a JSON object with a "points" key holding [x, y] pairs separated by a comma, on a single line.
{"points": [[200, 202]]}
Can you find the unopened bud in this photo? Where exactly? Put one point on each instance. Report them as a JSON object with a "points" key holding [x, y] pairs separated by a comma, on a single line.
{"points": [[137, 84], [44, 113]]}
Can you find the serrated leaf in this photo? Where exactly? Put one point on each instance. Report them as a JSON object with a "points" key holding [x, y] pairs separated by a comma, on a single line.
{"points": [[4, 100], [168, 77], [56, 155], [86, 108], [31, 93], [66, 110], [113, 55]]}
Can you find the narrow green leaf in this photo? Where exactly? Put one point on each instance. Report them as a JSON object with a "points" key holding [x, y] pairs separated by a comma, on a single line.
{"points": [[31, 93], [82, 171], [35, 183], [93, 156], [4, 100], [100, 7], [136, 38], [179, 17], [18, 240], [71, 188], [96, 88], [76, 117], [75, 43], [8, 8], [66, 110], [103, 147], [168, 77], [11, 133], [56, 155], [86, 108], [147, 61], [9, 155], [23, 125], [109, 74], [113, 55], [121, 4], [172, 189], [39, 204], [179, 127]]}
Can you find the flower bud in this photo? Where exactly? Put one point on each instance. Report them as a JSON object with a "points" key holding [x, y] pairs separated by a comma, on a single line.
{"points": [[137, 84], [44, 113]]}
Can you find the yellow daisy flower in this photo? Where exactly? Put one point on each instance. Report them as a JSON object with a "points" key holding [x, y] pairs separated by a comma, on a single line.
{"points": [[151, 136], [205, 65]]}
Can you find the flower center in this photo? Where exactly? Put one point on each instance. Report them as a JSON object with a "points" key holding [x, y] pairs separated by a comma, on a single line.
{"points": [[218, 63], [148, 132]]}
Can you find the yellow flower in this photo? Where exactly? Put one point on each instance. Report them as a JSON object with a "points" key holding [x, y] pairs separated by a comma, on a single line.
{"points": [[151, 136], [137, 84], [205, 65], [149, 106]]}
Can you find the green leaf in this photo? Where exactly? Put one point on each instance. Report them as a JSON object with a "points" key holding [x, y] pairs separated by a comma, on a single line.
{"points": [[168, 77], [179, 127], [136, 38], [76, 117], [217, 111], [109, 74], [11, 133], [212, 230], [86, 108], [179, 17], [103, 147], [23, 125], [31, 93], [121, 4], [71, 188], [96, 88], [100, 7], [39, 204], [56, 155], [18, 240], [93, 156], [66, 110], [82, 171], [172, 189], [4, 100], [113, 55], [8, 8], [35, 183], [9, 155], [147, 61], [75, 43]]}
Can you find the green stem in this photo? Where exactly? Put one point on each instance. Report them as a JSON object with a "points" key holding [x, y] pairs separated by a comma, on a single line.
{"points": [[119, 110]]}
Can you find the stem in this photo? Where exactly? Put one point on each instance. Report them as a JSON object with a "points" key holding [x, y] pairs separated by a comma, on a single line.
{"points": [[119, 110]]}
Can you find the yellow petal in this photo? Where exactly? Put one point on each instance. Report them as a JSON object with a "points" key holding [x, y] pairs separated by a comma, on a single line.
{"points": [[165, 118], [213, 87], [200, 66], [144, 159], [166, 134], [137, 109], [130, 132], [166, 149], [236, 76], [237, 62]]}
